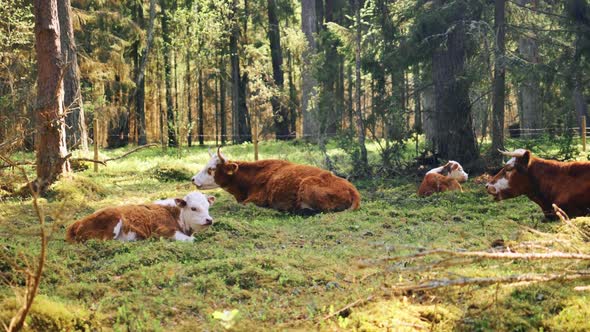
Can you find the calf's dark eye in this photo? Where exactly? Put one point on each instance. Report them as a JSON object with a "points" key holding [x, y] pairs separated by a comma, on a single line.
{"points": [[194, 209]]}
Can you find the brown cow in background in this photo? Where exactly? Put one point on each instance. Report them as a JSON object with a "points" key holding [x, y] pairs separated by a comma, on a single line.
{"points": [[279, 184], [545, 182]]}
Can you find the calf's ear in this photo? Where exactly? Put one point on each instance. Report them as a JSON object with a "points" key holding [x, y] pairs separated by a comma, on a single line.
{"points": [[180, 202], [210, 199], [446, 170], [232, 168]]}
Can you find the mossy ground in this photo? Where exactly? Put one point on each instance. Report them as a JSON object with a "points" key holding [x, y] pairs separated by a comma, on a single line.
{"points": [[278, 270]]}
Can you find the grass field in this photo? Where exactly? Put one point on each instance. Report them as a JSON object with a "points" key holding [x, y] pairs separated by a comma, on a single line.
{"points": [[258, 269]]}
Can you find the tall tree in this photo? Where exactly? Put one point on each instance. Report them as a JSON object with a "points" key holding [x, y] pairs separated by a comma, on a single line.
{"points": [[454, 138], [201, 110], [222, 113], [364, 163], [499, 79], [240, 119], [168, 74], [308, 85], [280, 112], [530, 92], [51, 149], [76, 125], [140, 78]]}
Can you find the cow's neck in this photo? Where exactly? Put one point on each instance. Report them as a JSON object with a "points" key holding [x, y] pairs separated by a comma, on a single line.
{"points": [[542, 191], [175, 213], [250, 177]]}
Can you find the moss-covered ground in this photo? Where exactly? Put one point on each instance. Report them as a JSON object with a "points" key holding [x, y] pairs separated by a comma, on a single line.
{"points": [[259, 269]]}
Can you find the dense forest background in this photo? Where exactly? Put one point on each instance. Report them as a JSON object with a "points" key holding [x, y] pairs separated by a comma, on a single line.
{"points": [[180, 73]]}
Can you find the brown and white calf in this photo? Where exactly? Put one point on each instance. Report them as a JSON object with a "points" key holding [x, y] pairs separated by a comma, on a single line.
{"points": [[173, 218], [279, 184], [545, 182], [444, 178]]}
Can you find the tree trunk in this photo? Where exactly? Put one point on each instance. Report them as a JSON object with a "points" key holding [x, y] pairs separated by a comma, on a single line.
{"points": [[453, 136], [140, 80], [201, 111], [308, 86], [416, 97], [350, 103], [280, 112], [240, 122], [189, 138], [429, 115], [499, 82], [293, 103], [167, 75], [359, 121], [76, 130], [51, 149], [222, 113]]}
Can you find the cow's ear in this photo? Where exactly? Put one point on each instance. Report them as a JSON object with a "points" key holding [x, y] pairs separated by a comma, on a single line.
{"points": [[211, 199], [232, 168], [524, 160], [180, 202], [446, 170]]}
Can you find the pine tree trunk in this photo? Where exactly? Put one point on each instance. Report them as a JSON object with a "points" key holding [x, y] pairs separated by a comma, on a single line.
{"points": [[359, 121], [167, 75], [222, 112], [240, 120], [293, 103], [416, 96], [280, 112], [140, 80], [429, 115], [76, 130], [201, 110], [350, 103], [189, 138], [308, 86], [51, 149], [453, 136], [499, 81]]}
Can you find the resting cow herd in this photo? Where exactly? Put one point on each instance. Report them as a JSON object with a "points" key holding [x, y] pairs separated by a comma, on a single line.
{"points": [[304, 189]]}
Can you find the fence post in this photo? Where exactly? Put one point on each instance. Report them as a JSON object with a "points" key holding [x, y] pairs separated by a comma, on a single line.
{"points": [[584, 133], [95, 129]]}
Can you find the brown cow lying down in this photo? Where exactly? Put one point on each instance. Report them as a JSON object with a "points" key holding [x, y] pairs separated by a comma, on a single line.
{"points": [[279, 184], [443, 178], [545, 182], [171, 218]]}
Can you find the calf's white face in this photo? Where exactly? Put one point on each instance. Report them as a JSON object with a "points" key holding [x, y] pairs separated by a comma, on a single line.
{"points": [[453, 170], [194, 210], [205, 179]]}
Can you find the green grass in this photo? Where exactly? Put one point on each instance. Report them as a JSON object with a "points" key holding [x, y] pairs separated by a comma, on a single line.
{"points": [[277, 270]]}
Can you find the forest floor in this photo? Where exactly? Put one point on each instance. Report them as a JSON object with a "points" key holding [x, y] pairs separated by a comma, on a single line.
{"points": [[259, 269]]}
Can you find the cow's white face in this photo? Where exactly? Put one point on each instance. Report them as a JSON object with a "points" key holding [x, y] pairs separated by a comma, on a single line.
{"points": [[512, 180], [453, 170], [205, 179], [194, 210]]}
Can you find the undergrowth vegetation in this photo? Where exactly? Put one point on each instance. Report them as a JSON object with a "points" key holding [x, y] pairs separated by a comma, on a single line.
{"points": [[259, 269]]}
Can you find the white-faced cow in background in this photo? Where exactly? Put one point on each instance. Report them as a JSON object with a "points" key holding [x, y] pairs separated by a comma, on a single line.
{"points": [[545, 182], [444, 178], [279, 184], [173, 218]]}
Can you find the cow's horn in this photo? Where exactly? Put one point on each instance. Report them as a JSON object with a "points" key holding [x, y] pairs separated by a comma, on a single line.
{"points": [[515, 153], [210, 153], [219, 155]]}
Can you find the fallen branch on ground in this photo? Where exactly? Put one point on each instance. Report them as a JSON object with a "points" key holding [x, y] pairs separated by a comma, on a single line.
{"points": [[104, 162], [432, 284], [348, 306], [491, 255]]}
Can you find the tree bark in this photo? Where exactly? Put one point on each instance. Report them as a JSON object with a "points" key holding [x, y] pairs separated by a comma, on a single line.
{"points": [[201, 110], [308, 86], [189, 138], [140, 80], [359, 121], [416, 96], [51, 149], [280, 112], [240, 119], [454, 137], [293, 102], [76, 130], [222, 112], [167, 75], [499, 81]]}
